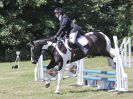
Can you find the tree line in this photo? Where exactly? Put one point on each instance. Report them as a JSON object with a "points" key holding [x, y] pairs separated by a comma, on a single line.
{"points": [[25, 20]]}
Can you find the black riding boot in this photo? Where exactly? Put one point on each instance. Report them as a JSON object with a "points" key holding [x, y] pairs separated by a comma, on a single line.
{"points": [[84, 49]]}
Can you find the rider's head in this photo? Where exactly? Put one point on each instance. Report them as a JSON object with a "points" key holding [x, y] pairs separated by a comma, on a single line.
{"points": [[58, 11]]}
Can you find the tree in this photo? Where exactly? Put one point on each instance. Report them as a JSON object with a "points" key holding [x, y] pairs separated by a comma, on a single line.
{"points": [[25, 20]]}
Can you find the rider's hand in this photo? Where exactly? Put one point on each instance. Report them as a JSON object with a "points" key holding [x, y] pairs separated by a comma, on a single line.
{"points": [[55, 38], [58, 38]]}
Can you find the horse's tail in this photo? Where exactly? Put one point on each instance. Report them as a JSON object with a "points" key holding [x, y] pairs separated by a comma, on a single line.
{"points": [[108, 45]]}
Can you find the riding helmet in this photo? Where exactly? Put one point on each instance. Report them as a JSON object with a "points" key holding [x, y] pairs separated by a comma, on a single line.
{"points": [[59, 10]]}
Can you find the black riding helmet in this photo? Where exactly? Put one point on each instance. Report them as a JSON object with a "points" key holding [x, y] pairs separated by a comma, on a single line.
{"points": [[59, 10]]}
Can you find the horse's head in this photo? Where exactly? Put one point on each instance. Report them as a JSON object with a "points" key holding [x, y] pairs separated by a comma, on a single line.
{"points": [[36, 49]]}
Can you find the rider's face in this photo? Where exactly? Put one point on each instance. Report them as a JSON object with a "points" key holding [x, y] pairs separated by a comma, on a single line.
{"points": [[57, 15]]}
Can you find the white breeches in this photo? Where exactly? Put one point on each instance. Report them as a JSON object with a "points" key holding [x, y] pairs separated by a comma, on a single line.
{"points": [[72, 37]]}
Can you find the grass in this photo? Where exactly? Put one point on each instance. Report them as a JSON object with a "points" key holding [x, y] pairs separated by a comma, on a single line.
{"points": [[20, 84]]}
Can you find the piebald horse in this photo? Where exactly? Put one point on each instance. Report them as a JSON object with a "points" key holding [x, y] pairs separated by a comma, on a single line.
{"points": [[61, 53]]}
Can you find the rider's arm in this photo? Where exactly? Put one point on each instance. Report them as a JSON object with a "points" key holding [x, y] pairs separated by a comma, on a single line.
{"points": [[63, 26]]}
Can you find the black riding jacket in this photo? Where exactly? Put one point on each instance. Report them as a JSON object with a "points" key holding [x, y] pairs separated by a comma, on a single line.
{"points": [[67, 26]]}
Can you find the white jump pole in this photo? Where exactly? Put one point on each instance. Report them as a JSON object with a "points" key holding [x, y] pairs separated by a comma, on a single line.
{"points": [[121, 76], [80, 68], [39, 75], [125, 50], [129, 52]]}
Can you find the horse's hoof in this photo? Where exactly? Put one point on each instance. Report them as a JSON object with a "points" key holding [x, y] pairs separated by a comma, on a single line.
{"points": [[47, 85], [57, 92]]}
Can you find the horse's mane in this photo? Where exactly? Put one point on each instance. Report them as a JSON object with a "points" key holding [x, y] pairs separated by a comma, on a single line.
{"points": [[44, 40]]}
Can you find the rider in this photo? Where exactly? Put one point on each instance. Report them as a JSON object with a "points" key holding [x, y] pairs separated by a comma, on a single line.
{"points": [[67, 27]]}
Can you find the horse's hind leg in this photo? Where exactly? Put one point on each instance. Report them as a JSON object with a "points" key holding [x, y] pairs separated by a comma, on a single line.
{"points": [[111, 56], [110, 51], [111, 62]]}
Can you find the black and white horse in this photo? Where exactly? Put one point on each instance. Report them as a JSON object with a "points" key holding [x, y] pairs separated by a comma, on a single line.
{"points": [[97, 43]]}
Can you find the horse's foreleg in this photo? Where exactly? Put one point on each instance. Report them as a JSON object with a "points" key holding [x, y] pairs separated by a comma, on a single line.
{"points": [[47, 79], [60, 76]]}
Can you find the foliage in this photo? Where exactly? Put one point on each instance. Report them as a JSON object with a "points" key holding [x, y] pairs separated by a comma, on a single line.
{"points": [[25, 20]]}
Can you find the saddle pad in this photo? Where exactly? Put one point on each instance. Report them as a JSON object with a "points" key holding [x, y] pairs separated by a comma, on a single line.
{"points": [[82, 40]]}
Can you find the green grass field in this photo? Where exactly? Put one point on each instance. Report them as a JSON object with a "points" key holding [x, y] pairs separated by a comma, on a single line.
{"points": [[20, 84]]}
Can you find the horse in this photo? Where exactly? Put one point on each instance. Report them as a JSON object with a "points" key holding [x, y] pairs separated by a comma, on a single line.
{"points": [[61, 52]]}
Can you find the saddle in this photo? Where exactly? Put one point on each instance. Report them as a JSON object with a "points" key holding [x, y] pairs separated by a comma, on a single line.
{"points": [[80, 44]]}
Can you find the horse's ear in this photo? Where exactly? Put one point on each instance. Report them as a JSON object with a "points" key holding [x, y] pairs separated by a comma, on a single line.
{"points": [[32, 43]]}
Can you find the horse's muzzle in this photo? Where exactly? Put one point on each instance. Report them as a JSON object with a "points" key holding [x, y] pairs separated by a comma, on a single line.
{"points": [[34, 62]]}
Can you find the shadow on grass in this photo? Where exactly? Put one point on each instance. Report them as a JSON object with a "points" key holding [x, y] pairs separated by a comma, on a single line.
{"points": [[131, 91], [84, 91], [96, 90]]}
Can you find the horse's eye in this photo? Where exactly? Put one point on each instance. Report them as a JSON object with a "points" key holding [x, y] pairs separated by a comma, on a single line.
{"points": [[34, 47]]}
